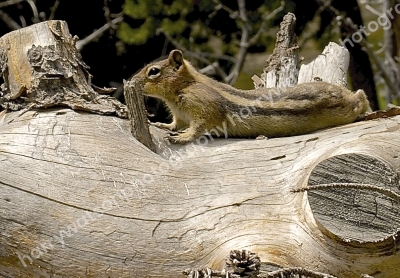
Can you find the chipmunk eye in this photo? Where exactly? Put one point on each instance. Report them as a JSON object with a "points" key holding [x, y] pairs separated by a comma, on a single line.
{"points": [[153, 72]]}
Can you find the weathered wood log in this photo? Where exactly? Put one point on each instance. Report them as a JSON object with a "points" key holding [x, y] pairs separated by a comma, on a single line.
{"points": [[80, 197]]}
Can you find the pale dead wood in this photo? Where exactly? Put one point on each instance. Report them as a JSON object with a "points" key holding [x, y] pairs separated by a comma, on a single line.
{"points": [[187, 212], [282, 67], [134, 98], [330, 66]]}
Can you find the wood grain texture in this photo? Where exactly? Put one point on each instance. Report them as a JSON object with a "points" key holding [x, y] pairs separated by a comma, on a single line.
{"points": [[134, 98], [331, 66], [133, 213], [356, 211]]}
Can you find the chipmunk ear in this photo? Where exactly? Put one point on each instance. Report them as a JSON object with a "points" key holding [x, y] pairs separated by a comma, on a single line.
{"points": [[176, 58]]}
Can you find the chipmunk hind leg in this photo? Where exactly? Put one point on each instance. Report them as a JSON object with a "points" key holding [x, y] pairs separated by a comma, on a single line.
{"points": [[354, 105]]}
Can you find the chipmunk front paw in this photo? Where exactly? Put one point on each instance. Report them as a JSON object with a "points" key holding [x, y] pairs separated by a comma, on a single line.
{"points": [[164, 126], [179, 138]]}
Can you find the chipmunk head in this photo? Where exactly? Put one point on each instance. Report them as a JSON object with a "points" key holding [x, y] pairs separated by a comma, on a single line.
{"points": [[165, 79]]}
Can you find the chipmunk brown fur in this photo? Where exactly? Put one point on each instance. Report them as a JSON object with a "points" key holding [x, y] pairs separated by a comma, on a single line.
{"points": [[200, 104]]}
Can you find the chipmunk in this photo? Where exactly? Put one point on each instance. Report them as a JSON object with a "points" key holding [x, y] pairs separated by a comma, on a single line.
{"points": [[202, 105]]}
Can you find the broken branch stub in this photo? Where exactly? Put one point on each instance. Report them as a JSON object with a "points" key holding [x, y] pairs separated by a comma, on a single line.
{"points": [[282, 67], [137, 115]]}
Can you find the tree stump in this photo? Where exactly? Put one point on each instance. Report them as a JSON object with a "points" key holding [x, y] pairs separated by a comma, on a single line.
{"points": [[42, 68], [80, 197]]}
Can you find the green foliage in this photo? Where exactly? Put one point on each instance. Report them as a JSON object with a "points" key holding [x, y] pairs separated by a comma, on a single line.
{"points": [[173, 27], [194, 25], [138, 35], [179, 7], [156, 16], [142, 9]]}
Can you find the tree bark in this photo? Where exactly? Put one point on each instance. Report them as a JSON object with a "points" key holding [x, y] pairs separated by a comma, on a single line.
{"points": [[80, 197], [281, 69], [42, 68]]}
